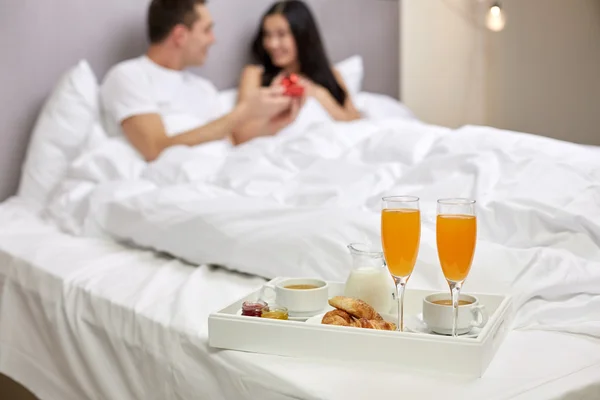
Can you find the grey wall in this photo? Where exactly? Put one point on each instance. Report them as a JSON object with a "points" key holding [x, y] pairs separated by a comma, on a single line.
{"points": [[40, 39]]}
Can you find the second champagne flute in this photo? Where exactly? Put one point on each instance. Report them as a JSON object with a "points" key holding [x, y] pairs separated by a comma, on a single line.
{"points": [[456, 236], [400, 237]]}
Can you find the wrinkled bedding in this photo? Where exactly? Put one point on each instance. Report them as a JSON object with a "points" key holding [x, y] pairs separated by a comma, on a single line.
{"points": [[289, 205]]}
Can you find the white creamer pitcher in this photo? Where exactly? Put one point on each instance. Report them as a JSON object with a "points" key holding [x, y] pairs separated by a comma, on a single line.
{"points": [[369, 279]]}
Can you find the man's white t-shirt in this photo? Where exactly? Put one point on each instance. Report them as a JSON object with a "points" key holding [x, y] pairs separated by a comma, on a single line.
{"points": [[140, 86]]}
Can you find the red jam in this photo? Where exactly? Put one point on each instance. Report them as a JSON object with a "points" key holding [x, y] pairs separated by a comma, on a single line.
{"points": [[253, 308]]}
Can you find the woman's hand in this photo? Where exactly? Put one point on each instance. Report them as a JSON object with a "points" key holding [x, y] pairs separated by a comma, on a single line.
{"points": [[311, 89]]}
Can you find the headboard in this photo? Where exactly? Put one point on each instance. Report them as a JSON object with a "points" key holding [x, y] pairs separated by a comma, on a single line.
{"points": [[41, 39]]}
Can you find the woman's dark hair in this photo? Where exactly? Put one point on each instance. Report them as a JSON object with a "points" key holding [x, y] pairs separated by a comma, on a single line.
{"points": [[312, 58]]}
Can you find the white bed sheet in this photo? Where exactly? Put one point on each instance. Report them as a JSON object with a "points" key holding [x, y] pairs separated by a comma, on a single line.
{"points": [[83, 318]]}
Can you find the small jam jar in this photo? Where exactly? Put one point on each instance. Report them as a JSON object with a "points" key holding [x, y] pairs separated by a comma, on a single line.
{"points": [[253, 308], [274, 312]]}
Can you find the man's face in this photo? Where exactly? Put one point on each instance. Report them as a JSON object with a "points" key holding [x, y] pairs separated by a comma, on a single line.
{"points": [[199, 38]]}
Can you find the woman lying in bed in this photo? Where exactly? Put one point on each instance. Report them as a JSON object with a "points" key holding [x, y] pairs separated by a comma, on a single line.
{"points": [[288, 45]]}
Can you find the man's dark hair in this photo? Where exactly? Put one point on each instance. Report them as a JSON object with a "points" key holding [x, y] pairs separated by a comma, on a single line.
{"points": [[164, 15]]}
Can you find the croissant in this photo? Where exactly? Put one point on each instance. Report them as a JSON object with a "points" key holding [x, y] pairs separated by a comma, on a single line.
{"points": [[355, 307], [337, 317], [374, 324], [342, 318]]}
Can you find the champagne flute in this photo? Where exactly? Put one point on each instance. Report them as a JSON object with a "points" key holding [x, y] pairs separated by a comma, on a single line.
{"points": [[400, 237], [456, 234]]}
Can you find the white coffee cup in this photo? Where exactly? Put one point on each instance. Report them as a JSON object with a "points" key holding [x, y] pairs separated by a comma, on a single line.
{"points": [[299, 301], [438, 317]]}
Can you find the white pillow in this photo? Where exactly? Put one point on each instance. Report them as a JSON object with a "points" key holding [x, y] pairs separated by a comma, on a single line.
{"points": [[351, 69], [228, 98], [379, 106], [60, 131]]}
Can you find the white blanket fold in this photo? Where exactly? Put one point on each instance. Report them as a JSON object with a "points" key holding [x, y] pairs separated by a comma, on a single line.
{"points": [[289, 205]]}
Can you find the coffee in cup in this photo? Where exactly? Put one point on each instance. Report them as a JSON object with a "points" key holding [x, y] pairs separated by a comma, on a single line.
{"points": [[438, 313], [301, 287], [301, 296]]}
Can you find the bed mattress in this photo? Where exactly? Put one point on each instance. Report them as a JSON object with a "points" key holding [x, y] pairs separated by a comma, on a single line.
{"points": [[87, 318]]}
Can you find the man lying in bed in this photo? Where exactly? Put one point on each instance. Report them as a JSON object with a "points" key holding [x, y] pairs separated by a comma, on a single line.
{"points": [[156, 104]]}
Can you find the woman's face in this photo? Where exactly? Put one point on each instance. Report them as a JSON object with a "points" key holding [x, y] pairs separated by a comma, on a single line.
{"points": [[279, 42]]}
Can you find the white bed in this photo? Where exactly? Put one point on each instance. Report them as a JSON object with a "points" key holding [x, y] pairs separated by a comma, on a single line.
{"points": [[90, 318], [93, 319], [82, 316]]}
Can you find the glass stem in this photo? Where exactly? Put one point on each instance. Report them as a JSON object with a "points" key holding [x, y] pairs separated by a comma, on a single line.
{"points": [[400, 286], [455, 290]]}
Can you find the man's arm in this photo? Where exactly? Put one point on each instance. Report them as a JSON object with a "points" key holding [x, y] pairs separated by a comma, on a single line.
{"points": [[267, 124], [146, 132]]}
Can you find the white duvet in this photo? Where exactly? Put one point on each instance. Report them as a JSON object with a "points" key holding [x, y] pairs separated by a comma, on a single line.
{"points": [[289, 205]]}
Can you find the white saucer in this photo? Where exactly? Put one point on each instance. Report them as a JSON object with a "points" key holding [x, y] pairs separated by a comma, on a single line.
{"points": [[305, 316], [315, 320], [301, 317], [415, 324]]}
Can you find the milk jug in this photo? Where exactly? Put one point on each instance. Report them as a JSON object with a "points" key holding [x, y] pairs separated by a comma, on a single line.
{"points": [[369, 278]]}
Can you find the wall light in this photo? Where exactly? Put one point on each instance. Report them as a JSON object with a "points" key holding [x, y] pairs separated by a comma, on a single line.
{"points": [[495, 18]]}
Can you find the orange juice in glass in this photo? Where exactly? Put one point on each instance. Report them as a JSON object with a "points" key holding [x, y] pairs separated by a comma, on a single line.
{"points": [[400, 234], [400, 237], [456, 235]]}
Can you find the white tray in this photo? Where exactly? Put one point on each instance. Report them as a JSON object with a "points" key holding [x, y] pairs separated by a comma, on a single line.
{"points": [[468, 356]]}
